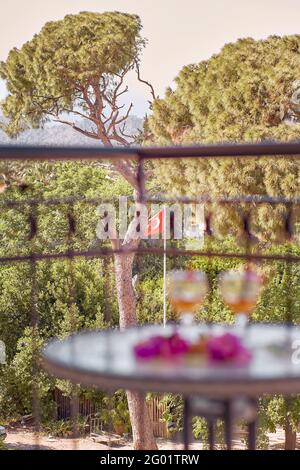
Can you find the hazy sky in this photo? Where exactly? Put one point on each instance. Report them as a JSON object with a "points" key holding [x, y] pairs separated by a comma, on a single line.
{"points": [[179, 32]]}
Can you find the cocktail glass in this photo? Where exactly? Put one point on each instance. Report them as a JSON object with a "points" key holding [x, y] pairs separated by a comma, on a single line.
{"points": [[240, 291], [187, 290]]}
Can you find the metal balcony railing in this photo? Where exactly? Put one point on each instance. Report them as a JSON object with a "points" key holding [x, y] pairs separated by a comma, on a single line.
{"points": [[34, 252]]}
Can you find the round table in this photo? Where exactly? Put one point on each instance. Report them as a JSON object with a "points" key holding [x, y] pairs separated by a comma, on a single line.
{"points": [[105, 360]]}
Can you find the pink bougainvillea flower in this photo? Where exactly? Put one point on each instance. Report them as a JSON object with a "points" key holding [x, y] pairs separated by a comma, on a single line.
{"points": [[227, 348], [177, 345], [161, 346], [148, 349]]}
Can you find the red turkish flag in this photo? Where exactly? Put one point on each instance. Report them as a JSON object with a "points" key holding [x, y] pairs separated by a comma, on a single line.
{"points": [[156, 224]]}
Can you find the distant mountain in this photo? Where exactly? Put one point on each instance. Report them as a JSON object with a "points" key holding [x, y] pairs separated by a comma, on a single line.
{"points": [[58, 134]]}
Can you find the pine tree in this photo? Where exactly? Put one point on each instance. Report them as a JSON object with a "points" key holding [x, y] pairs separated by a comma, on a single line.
{"points": [[74, 73]]}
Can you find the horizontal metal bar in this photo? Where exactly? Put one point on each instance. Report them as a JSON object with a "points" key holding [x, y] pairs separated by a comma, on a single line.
{"points": [[154, 199], [18, 152], [222, 150], [255, 199], [144, 251], [59, 201], [39, 153]]}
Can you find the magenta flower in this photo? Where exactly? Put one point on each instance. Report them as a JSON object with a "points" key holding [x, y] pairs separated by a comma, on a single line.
{"points": [[148, 349], [162, 347], [227, 347]]}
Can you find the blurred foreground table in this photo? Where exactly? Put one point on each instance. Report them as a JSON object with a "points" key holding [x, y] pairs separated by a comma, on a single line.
{"points": [[105, 360]]}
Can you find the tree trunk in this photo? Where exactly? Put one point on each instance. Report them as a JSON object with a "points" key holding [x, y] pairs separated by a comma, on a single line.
{"points": [[290, 437], [142, 428]]}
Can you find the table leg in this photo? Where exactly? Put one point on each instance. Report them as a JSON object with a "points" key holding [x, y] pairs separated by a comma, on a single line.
{"points": [[211, 434], [252, 430], [186, 422], [228, 424], [252, 435]]}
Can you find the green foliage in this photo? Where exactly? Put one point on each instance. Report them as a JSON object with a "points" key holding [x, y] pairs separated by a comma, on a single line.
{"points": [[18, 382], [3, 446], [55, 305], [279, 301], [14, 304], [173, 412], [65, 428], [115, 412], [68, 296]]}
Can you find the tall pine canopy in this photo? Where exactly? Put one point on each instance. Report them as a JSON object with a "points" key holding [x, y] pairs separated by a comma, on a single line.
{"points": [[73, 68], [242, 93], [247, 92]]}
